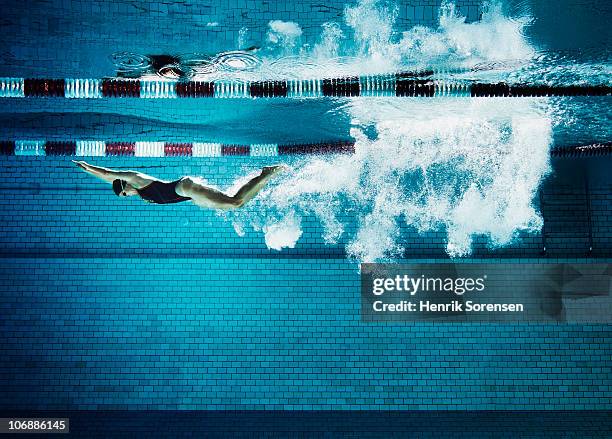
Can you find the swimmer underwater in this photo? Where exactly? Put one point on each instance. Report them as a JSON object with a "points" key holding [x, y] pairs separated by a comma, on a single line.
{"points": [[154, 190]]}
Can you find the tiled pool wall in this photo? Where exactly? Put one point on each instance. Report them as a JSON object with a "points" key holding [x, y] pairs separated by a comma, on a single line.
{"points": [[243, 121], [67, 38], [109, 303], [51, 208], [239, 334], [187, 120]]}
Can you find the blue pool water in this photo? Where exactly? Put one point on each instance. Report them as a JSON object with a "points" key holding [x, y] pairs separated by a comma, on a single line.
{"points": [[109, 303]]}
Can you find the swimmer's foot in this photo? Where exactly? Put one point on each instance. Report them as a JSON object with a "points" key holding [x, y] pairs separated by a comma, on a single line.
{"points": [[272, 170]]}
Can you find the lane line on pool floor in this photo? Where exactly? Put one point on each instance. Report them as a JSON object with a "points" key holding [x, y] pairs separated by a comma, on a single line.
{"points": [[405, 84], [101, 148]]}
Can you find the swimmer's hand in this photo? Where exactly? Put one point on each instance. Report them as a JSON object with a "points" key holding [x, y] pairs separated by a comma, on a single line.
{"points": [[80, 164], [272, 170], [84, 166]]}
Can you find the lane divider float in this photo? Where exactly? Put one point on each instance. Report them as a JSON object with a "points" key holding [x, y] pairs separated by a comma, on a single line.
{"points": [[406, 84], [100, 148], [591, 150]]}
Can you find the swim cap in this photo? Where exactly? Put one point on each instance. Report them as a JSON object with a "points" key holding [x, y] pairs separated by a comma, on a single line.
{"points": [[118, 186]]}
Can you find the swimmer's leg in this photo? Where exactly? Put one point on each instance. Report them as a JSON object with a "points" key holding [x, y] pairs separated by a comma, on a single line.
{"points": [[253, 186], [207, 196], [203, 195]]}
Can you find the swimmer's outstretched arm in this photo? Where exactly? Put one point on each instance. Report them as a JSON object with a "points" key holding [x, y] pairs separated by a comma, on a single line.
{"points": [[136, 179]]}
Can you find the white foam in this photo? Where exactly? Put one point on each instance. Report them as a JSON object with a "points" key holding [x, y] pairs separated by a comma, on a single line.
{"points": [[284, 233], [366, 42], [285, 33], [470, 173], [467, 167]]}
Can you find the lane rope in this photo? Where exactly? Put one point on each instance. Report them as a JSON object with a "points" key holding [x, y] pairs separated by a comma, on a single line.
{"points": [[405, 84], [101, 148]]}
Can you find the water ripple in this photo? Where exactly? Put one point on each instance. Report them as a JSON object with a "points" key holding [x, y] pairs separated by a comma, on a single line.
{"points": [[236, 60], [130, 62]]}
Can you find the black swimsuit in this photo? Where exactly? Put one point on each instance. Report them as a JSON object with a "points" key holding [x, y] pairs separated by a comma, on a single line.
{"points": [[161, 193]]}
